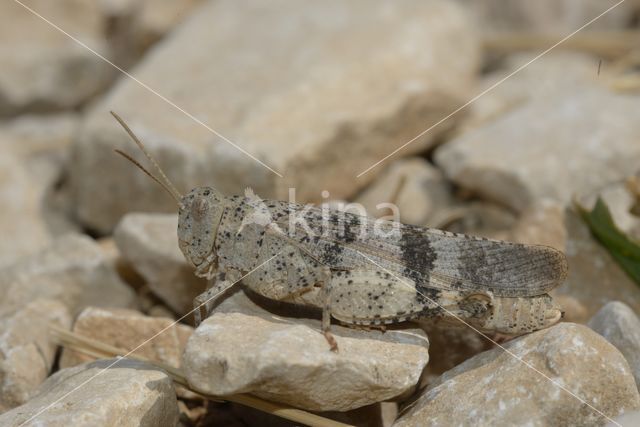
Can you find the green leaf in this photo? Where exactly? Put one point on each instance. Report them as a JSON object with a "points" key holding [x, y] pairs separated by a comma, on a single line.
{"points": [[624, 250]]}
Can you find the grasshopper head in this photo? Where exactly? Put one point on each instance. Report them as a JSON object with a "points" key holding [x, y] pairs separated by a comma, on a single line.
{"points": [[199, 216], [199, 212]]}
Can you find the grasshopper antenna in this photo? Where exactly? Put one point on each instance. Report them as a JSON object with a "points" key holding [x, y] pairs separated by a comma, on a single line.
{"points": [[165, 182], [149, 174]]}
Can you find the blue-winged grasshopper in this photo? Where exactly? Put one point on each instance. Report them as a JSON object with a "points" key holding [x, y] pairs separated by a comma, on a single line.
{"points": [[362, 271]]}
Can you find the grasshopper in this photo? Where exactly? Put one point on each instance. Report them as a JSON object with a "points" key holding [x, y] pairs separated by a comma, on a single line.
{"points": [[361, 278]]}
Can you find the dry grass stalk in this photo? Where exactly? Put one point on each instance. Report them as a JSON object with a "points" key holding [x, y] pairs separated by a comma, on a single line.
{"points": [[605, 44], [626, 84]]}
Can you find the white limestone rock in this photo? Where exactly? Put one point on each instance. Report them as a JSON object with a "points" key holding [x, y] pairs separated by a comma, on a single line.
{"points": [[318, 94]]}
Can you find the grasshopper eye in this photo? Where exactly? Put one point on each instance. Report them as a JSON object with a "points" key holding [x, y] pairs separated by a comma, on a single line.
{"points": [[199, 208]]}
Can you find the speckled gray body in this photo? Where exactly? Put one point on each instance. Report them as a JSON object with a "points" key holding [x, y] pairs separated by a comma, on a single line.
{"points": [[364, 272]]}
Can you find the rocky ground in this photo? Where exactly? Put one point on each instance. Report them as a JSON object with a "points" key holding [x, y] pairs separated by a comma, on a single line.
{"points": [[232, 94]]}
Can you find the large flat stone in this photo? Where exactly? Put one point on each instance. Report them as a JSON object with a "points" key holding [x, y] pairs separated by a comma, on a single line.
{"points": [[282, 356], [318, 93]]}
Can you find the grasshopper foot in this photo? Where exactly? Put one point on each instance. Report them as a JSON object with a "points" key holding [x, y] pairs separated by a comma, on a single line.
{"points": [[333, 344]]}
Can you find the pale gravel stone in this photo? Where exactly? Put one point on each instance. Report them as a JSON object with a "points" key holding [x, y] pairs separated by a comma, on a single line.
{"points": [[130, 393], [619, 325], [533, 151], [33, 158], [149, 242], [73, 270], [244, 348], [339, 83], [44, 70], [42, 141], [417, 188], [494, 388], [47, 288], [26, 352], [564, 72], [477, 218], [630, 419], [21, 224], [135, 25], [542, 224]]}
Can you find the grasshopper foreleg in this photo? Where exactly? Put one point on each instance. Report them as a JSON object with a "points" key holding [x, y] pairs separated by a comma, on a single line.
{"points": [[206, 300]]}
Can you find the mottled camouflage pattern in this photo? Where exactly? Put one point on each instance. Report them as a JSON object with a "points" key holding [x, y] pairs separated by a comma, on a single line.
{"points": [[365, 278]]}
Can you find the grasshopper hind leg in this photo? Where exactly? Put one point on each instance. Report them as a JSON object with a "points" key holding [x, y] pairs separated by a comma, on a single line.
{"points": [[202, 301], [376, 298]]}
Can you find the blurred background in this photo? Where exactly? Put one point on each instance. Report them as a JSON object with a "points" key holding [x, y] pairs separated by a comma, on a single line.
{"points": [[487, 117], [457, 111]]}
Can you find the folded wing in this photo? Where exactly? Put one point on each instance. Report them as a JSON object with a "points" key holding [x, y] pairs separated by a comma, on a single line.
{"points": [[432, 258]]}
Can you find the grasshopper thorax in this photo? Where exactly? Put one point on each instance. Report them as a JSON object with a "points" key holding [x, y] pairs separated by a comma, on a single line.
{"points": [[198, 219]]}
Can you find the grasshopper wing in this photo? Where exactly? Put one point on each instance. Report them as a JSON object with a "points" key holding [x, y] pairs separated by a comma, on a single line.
{"points": [[431, 258]]}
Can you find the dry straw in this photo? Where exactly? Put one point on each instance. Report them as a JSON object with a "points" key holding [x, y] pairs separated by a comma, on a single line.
{"points": [[605, 44], [100, 350]]}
